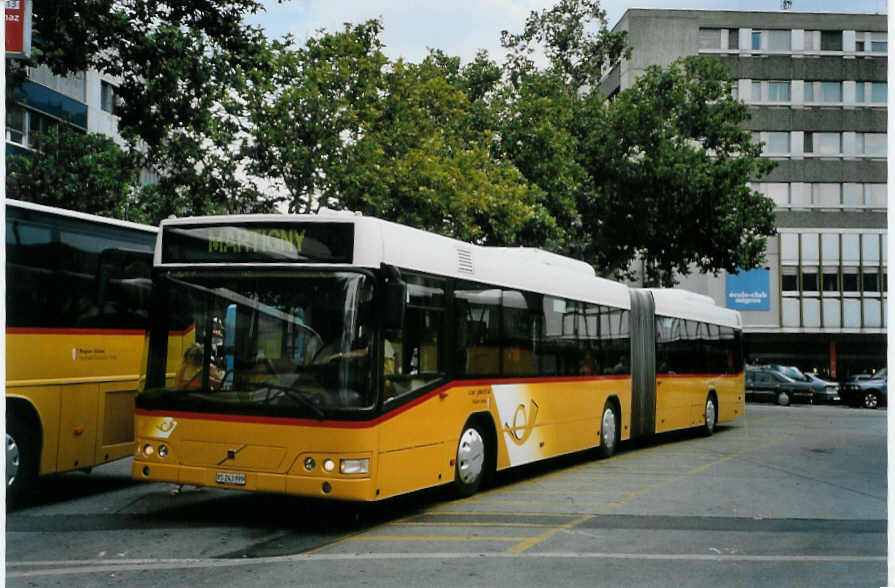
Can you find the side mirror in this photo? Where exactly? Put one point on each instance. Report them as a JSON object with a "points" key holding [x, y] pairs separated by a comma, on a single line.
{"points": [[395, 304]]}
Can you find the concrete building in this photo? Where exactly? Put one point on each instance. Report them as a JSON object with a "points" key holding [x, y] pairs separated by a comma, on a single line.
{"points": [[816, 87]]}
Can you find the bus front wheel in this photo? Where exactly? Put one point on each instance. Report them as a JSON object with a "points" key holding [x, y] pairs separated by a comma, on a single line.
{"points": [[470, 463], [21, 460], [609, 430]]}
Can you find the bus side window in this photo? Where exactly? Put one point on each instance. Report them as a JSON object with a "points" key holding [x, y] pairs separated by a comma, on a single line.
{"points": [[412, 355]]}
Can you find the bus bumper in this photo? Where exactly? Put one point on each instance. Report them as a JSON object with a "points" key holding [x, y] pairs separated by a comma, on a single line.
{"points": [[338, 488]]}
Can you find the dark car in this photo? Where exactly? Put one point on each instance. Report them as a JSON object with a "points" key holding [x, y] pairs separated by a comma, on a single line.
{"points": [[767, 383], [863, 391], [824, 392]]}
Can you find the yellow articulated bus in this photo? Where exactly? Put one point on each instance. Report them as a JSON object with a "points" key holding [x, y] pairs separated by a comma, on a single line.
{"points": [[77, 304], [347, 357]]}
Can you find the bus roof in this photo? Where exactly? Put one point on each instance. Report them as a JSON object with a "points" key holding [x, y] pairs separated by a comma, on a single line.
{"points": [[377, 241], [690, 305], [80, 215]]}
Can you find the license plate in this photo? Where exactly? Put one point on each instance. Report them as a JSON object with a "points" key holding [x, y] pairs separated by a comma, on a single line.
{"points": [[232, 478]]}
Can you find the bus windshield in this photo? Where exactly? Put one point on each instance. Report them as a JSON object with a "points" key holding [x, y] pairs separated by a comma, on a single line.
{"points": [[269, 343]]}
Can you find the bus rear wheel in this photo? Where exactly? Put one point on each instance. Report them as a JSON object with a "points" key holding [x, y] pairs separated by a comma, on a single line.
{"points": [[470, 462], [711, 416], [21, 461], [609, 430]]}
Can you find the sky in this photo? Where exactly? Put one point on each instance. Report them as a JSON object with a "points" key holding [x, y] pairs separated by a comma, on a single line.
{"points": [[462, 27]]}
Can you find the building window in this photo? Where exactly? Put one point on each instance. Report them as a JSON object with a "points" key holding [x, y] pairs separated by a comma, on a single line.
{"points": [[830, 247], [756, 40], [826, 194], [791, 312], [851, 313], [851, 247], [733, 39], [756, 91], [850, 279], [831, 92], [809, 279], [832, 312], [859, 46], [779, 40], [789, 279], [870, 248], [778, 92], [831, 279], [872, 316], [15, 124], [810, 248], [823, 143], [778, 142], [831, 40], [709, 38], [808, 92], [872, 144], [878, 92], [876, 195], [108, 97], [879, 42], [870, 279], [811, 312], [859, 92], [789, 247]]}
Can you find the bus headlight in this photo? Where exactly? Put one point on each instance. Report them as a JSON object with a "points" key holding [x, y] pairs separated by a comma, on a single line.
{"points": [[309, 463], [148, 450], [329, 465], [163, 451], [355, 466]]}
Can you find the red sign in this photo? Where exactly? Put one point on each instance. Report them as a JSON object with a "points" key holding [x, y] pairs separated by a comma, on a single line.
{"points": [[17, 19]]}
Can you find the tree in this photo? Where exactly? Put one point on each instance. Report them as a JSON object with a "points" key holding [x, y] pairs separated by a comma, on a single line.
{"points": [[317, 101], [182, 68], [674, 161], [658, 174], [78, 171], [342, 126]]}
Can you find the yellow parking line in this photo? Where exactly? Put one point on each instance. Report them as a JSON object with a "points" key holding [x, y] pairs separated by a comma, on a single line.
{"points": [[472, 524], [532, 541], [435, 538], [499, 513]]}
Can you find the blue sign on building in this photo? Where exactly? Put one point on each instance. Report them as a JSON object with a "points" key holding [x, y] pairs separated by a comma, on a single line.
{"points": [[749, 290]]}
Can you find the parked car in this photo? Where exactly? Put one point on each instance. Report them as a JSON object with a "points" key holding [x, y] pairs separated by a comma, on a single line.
{"points": [[767, 383], [867, 392], [824, 391]]}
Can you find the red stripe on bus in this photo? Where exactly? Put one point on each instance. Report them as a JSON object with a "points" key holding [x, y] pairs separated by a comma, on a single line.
{"points": [[66, 331], [63, 331], [233, 418]]}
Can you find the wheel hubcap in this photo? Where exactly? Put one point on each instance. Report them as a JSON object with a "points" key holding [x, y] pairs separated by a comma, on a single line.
{"points": [[608, 437], [870, 401], [13, 460], [710, 414], [470, 456]]}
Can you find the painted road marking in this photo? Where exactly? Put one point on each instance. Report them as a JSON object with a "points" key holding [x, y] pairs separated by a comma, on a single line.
{"points": [[64, 568]]}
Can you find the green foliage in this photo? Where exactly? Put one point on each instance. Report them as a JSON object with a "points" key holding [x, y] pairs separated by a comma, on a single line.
{"points": [[675, 161], [341, 126], [182, 67], [73, 170]]}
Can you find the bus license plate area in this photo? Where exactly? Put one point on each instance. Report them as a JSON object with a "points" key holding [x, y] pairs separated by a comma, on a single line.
{"points": [[231, 478]]}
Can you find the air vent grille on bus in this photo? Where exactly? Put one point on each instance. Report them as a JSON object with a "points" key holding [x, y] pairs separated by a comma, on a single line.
{"points": [[464, 261]]}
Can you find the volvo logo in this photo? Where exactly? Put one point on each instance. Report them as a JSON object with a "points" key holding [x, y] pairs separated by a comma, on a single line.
{"points": [[231, 454]]}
